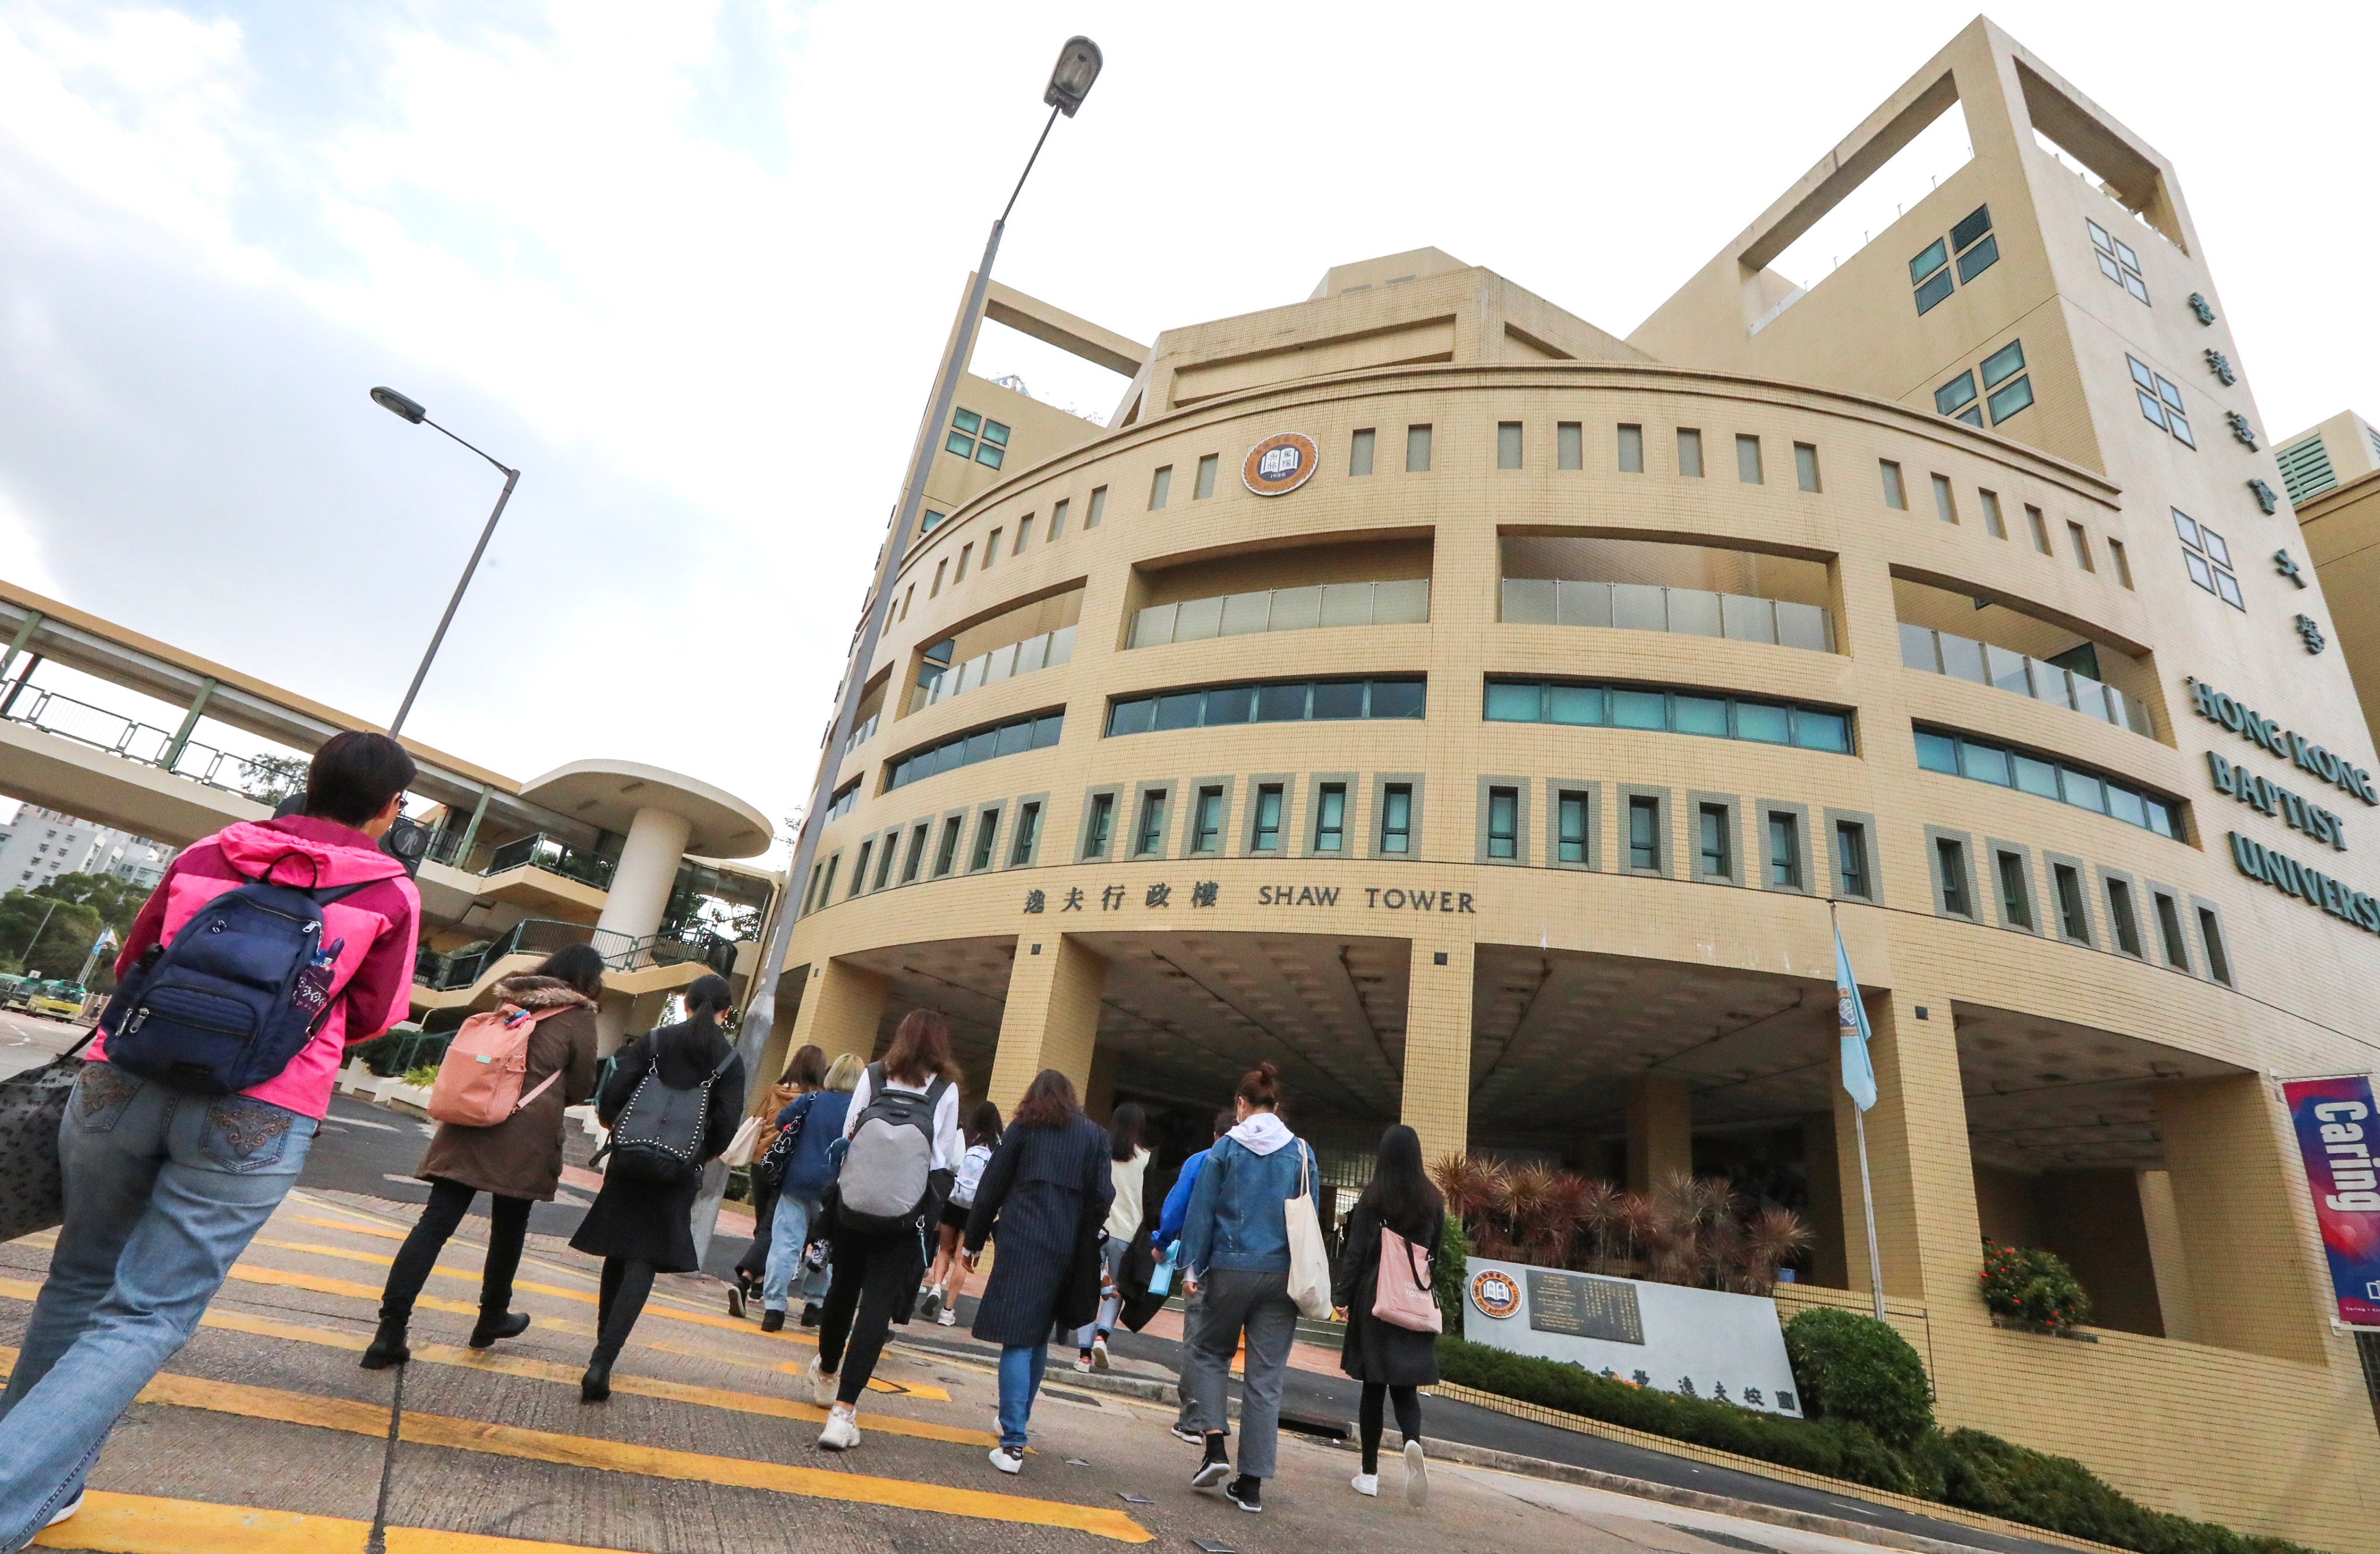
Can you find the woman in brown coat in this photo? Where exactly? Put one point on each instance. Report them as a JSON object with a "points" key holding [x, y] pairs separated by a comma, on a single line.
{"points": [[514, 1162]]}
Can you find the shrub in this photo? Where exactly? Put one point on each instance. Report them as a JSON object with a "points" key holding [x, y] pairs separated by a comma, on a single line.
{"points": [[1856, 1367], [1450, 1274], [2036, 1288], [423, 1074]]}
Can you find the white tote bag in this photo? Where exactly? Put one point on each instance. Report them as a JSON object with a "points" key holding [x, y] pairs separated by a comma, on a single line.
{"points": [[741, 1150], [1309, 1259]]}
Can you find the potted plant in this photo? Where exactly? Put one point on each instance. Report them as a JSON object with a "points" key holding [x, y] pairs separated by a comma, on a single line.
{"points": [[2026, 1286]]}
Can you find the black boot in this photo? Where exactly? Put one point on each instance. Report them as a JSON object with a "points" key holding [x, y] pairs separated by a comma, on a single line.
{"points": [[503, 1324], [810, 1313], [771, 1321], [387, 1347], [596, 1384]]}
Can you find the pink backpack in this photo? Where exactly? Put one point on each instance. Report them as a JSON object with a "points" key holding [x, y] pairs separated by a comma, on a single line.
{"points": [[479, 1079], [1403, 1297]]}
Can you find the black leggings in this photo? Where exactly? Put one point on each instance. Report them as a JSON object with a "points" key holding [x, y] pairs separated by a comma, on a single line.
{"points": [[1367, 1417], [753, 1263], [873, 1275], [449, 1201], [628, 1283]]}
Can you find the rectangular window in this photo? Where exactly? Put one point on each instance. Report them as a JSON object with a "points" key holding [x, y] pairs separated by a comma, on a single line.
{"points": [[1805, 465], [976, 437], [1952, 858], [1503, 822], [987, 831], [947, 854], [2005, 383], [2218, 964], [1569, 448], [926, 524], [1160, 485], [1711, 824], [1945, 506], [2208, 559], [1396, 818], [1631, 450], [1680, 712], [916, 857], [1784, 849], [2169, 914], [940, 567], [1057, 522], [2160, 401], [1024, 535], [2117, 261], [2074, 917], [826, 885], [1099, 507], [1416, 450], [908, 597], [2016, 902], [2082, 544], [1690, 452], [991, 547], [2123, 563], [1330, 818], [1359, 451], [1929, 273], [1207, 824], [967, 554], [2120, 912], [2040, 527], [1896, 494], [1205, 485], [1747, 458], [859, 867], [1507, 445], [1268, 829], [1028, 831], [1149, 839], [1643, 833], [1851, 858], [1985, 760], [1570, 840], [884, 862], [1957, 401], [1993, 524], [1095, 832]]}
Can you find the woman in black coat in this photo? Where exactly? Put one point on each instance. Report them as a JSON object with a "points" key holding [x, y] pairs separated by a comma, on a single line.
{"points": [[1047, 1186], [640, 1228], [1389, 1360]]}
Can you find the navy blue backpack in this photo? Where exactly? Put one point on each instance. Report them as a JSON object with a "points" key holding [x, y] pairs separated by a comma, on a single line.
{"points": [[236, 996]]}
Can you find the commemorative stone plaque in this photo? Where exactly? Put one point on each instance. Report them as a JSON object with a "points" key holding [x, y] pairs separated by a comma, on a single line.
{"points": [[1581, 1307]]}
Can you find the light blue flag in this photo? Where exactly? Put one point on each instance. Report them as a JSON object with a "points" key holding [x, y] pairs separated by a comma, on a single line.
{"points": [[1850, 1022]]}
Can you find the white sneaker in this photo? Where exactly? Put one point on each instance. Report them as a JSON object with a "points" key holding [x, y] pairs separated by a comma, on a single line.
{"points": [[1367, 1484], [1099, 1351], [1007, 1461], [929, 1300], [840, 1432], [1416, 1476], [949, 1318], [823, 1384], [70, 1509], [1082, 1363]]}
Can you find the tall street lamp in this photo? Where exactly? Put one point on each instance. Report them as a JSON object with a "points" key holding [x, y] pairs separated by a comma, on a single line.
{"points": [[397, 404], [1070, 82]]}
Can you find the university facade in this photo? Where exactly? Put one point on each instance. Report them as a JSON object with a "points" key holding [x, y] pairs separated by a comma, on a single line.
{"points": [[1487, 718]]}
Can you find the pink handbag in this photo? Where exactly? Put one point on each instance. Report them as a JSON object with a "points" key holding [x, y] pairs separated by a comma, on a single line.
{"points": [[1402, 1297]]}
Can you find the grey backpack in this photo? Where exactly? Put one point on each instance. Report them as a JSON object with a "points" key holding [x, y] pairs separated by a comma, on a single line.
{"points": [[888, 1167], [657, 1137]]}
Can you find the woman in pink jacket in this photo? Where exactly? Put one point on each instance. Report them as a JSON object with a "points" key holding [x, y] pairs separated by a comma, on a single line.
{"points": [[166, 1187]]}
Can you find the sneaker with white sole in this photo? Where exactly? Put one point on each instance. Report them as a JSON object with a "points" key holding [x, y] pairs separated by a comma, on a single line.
{"points": [[1367, 1484], [823, 1384], [1187, 1435], [1416, 1476], [840, 1432], [1099, 1351], [1082, 1363], [929, 1301], [1215, 1469], [1007, 1458], [66, 1510], [949, 1318], [1246, 1493]]}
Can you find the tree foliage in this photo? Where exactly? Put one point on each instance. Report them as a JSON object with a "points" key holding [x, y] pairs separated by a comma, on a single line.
{"points": [[66, 931]]}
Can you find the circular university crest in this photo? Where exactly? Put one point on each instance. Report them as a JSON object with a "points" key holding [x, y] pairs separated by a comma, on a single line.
{"points": [[1495, 1293], [1281, 463]]}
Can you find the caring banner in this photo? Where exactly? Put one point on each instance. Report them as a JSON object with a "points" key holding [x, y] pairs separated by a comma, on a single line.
{"points": [[2336, 1131]]}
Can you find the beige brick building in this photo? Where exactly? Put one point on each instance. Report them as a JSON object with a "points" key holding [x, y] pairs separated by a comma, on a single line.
{"points": [[1482, 716]]}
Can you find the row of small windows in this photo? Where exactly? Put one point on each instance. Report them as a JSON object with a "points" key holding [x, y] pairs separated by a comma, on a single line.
{"points": [[886, 851], [1953, 754], [2066, 912], [1971, 249], [1012, 738], [1946, 507], [1298, 701], [1678, 712], [996, 542]]}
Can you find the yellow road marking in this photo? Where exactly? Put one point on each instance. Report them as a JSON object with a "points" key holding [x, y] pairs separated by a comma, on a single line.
{"points": [[392, 1233], [147, 1525], [611, 1456]]}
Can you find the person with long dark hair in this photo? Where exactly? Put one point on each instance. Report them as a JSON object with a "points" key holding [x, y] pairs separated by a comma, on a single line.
{"points": [[1046, 1190], [876, 1267], [1389, 1360], [516, 1162], [805, 1071], [938, 1300], [641, 1228], [1128, 1165]]}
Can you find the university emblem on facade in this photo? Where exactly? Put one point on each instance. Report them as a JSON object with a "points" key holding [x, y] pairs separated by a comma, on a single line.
{"points": [[1281, 463], [1496, 1293]]}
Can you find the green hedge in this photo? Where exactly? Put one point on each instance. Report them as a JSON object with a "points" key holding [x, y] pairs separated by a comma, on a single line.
{"points": [[1965, 1468], [1850, 1367]]}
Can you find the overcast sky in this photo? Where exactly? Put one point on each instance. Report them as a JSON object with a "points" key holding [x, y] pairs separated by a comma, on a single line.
{"points": [[688, 267]]}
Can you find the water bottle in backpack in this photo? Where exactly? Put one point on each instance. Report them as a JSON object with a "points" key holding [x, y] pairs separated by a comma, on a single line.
{"points": [[888, 1165]]}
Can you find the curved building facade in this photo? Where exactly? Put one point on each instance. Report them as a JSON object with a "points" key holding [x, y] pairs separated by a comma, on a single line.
{"points": [[1487, 719]]}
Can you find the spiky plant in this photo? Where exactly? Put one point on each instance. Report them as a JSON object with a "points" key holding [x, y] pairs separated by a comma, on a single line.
{"points": [[1473, 1183], [1770, 1241], [1553, 1231], [1599, 1216]]}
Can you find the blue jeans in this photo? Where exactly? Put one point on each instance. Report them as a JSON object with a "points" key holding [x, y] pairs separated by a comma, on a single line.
{"points": [[1103, 1321], [1021, 1365], [787, 1235], [164, 1191]]}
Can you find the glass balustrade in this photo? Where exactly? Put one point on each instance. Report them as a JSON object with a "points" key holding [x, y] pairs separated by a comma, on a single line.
{"points": [[1045, 651], [540, 936], [554, 856], [1944, 652], [1698, 612], [1400, 603]]}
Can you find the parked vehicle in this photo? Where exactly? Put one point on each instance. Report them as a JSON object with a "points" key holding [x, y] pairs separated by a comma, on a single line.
{"points": [[62, 999]]}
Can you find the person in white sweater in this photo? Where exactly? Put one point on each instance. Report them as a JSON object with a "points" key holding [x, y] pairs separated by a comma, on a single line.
{"points": [[939, 1300], [1131, 1165]]}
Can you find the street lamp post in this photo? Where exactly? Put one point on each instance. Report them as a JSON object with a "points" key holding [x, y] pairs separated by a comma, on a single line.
{"points": [[1070, 81]]}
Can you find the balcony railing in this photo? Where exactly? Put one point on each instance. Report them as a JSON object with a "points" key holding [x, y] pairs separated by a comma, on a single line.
{"points": [[148, 745], [1638, 606], [539, 935], [554, 856], [1940, 652], [1045, 651], [1401, 603]]}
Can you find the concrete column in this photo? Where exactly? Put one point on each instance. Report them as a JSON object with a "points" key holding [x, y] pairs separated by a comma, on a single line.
{"points": [[2176, 1303], [620, 1017], [1926, 1225], [1437, 1099], [647, 867], [1051, 1019], [2243, 1240], [1098, 1091], [1660, 1131], [841, 1006], [1831, 1214]]}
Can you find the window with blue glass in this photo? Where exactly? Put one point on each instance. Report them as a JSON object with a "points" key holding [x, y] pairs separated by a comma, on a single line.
{"points": [[1654, 707], [1293, 701], [1016, 734], [978, 437], [1955, 755], [1970, 250], [2006, 389]]}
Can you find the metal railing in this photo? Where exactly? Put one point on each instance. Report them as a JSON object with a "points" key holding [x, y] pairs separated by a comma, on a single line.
{"points": [[542, 936], [1045, 651], [146, 744], [542, 851], [1638, 606], [1941, 653], [1404, 601]]}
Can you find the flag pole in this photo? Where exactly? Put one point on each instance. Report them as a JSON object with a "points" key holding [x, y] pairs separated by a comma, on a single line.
{"points": [[1867, 1193]]}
